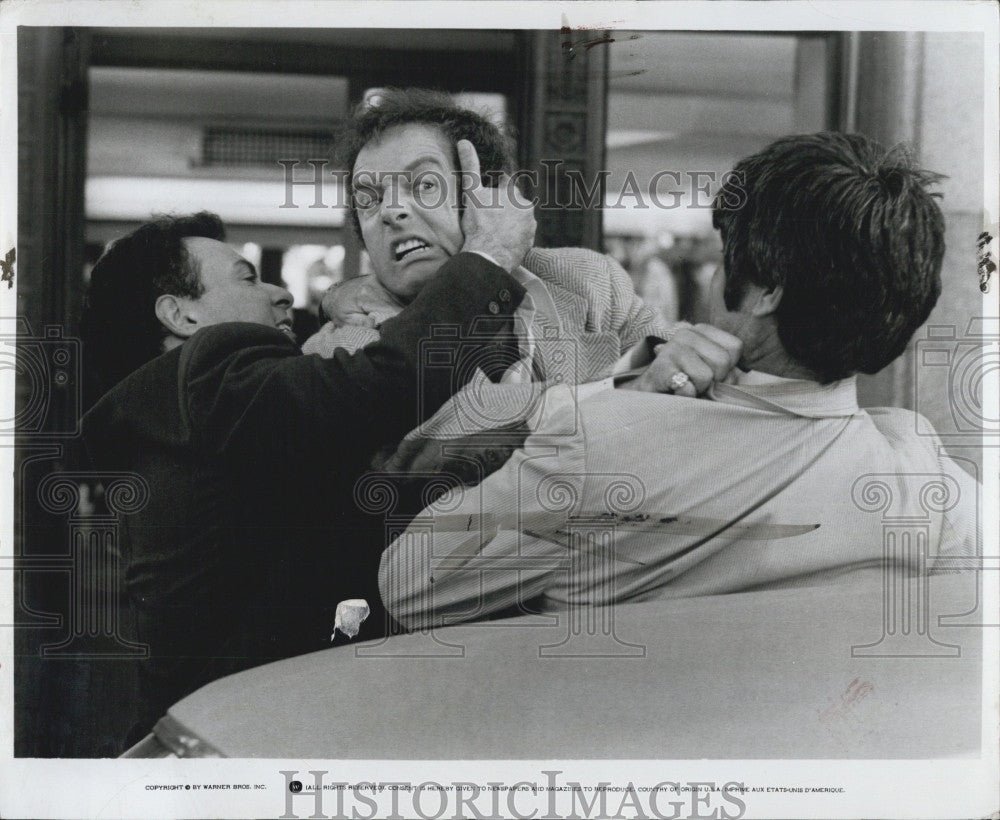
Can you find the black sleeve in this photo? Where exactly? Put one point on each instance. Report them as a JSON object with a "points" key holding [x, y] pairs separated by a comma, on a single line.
{"points": [[250, 396]]}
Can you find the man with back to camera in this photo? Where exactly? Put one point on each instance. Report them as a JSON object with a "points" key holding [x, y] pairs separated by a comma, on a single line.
{"points": [[249, 449], [832, 257]]}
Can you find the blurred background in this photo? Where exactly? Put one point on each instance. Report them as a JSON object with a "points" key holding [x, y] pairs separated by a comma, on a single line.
{"points": [[116, 124], [120, 123], [227, 137]]}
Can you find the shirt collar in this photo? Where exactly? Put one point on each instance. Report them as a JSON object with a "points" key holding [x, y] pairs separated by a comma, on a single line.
{"points": [[799, 397], [744, 378]]}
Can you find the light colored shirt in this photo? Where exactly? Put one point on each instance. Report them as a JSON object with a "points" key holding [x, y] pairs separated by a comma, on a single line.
{"points": [[622, 495]]}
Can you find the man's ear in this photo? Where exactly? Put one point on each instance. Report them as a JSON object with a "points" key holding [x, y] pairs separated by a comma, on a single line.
{"points": [[768, 301], [173, 314]]}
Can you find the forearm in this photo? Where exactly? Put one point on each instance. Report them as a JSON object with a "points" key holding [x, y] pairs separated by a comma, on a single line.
{"points": [[422, 590], [253, 397], [462, 318], [636, 319], [484, 550]]}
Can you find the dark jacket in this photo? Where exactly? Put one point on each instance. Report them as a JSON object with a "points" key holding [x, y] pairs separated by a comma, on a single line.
{"points": [[251, 452]]}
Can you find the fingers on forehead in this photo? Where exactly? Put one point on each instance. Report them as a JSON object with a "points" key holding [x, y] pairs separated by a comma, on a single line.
{"points": [[467, 157]]}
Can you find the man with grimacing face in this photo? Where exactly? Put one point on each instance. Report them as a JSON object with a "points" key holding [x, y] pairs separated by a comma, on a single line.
{"points": [[410, 222], [408, 156], [246, 450]]}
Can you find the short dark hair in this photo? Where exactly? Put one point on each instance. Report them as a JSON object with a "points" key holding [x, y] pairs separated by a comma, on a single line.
{"points": [[119, 328], [403, 106], [850, 232]]}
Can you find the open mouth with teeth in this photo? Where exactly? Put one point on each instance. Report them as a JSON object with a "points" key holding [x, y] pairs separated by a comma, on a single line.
{"points": [[407, 247]]}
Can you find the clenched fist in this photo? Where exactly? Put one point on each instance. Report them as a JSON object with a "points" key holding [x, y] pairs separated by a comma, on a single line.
{"points": [[359, 301], [703, 353]]}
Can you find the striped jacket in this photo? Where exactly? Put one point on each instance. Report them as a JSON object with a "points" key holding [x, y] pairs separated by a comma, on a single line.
{"points": [[600, 316]]}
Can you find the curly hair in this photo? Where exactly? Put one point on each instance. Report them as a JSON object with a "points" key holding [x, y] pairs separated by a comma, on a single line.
{"points": [[119, 327], [851, 233], [403, 106]]}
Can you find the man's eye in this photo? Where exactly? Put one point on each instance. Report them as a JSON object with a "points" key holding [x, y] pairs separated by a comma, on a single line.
{"points": [[363, 200], [428, 185]]}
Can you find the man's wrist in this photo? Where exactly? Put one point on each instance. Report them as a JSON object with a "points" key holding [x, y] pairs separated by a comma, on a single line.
{"points": [[486, 256], [471, 272]]}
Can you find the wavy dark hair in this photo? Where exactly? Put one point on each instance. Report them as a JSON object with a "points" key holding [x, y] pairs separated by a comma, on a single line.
{"points": [[118, 327], [403, 106], [852, 234]]}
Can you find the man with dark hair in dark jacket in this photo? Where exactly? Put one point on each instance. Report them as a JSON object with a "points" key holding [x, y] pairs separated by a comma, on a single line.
{"points": [[251, 450]]}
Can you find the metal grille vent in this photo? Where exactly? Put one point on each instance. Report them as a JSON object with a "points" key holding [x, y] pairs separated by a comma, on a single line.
{"points": [[263, 147]]}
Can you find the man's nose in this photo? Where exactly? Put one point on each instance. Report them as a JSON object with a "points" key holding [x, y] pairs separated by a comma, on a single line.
{"points": [[396, 206], [280, 297]]}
